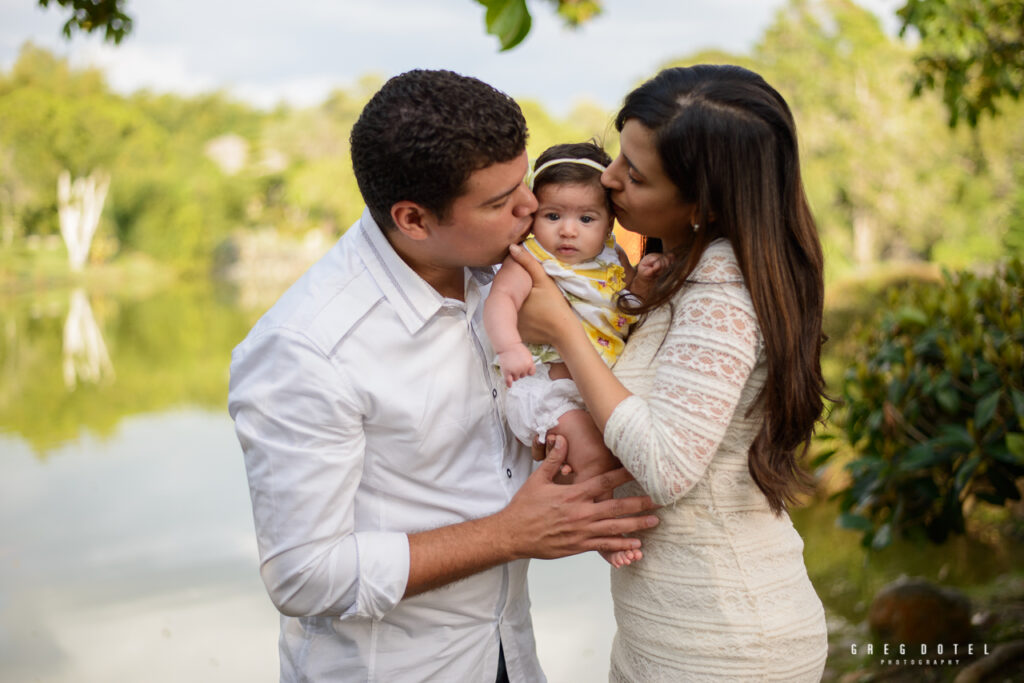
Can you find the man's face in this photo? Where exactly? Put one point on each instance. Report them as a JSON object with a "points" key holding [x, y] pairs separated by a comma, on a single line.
{"points": [[493, 213]]}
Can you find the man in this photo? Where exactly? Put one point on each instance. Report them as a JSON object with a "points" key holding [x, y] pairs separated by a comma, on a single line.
{"points": [[393, 510]]}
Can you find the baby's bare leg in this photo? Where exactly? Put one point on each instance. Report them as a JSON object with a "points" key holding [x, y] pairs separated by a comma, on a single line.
{"points": [[587, 454], [589, 457]]}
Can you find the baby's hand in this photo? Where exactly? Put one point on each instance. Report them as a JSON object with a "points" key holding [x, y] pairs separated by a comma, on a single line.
{"points": [[622, 557], [647, 272], [516, 363], [651, 265]]}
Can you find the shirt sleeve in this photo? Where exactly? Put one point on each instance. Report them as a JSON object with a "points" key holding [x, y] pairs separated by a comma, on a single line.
{"points": [[666, 439], [300, 426]]}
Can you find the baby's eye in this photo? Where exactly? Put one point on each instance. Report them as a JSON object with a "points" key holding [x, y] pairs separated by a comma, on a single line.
{"points": [[586, 219], [551, 216]]}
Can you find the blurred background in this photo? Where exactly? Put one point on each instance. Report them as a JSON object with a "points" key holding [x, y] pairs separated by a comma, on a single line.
{"points": [[167, 169]]}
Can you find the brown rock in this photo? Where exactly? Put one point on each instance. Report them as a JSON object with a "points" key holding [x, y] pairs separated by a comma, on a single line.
{"points": [[914, 611]]}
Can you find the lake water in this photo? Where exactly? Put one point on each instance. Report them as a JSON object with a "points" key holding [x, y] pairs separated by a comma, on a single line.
{"points": [[127, 550]]}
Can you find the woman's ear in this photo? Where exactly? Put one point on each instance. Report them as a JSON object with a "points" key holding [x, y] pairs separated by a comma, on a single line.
{"points": [[695, 216], [412, 220]]}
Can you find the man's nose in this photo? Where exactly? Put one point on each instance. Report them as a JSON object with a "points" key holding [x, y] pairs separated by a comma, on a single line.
{"points": [[526, 202]]}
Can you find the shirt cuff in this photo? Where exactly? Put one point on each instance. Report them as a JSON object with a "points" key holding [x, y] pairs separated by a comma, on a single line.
{"points": [[383, 573]]}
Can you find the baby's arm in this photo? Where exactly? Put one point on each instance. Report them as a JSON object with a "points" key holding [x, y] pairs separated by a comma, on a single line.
{"points": [[509, 289]]}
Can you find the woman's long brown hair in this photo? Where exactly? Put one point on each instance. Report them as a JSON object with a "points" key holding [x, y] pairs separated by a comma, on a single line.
{"points": [[728, 141]]}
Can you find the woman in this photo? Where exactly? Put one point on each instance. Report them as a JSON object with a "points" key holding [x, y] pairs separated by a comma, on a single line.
{"points": [[719, 386]]}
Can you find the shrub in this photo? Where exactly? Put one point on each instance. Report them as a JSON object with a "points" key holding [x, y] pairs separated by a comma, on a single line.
{"points": [[934, 405]]}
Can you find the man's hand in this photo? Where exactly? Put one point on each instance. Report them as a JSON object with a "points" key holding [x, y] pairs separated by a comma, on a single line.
{"points": [[546, 520]]}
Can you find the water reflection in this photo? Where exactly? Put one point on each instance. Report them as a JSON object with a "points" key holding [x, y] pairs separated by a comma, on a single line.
{"points": [[59, 351], [133, 555], [133, 558], [85, 354]]}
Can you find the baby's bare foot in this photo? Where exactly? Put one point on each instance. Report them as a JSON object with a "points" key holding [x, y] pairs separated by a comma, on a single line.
{"points": [[621, 558]]}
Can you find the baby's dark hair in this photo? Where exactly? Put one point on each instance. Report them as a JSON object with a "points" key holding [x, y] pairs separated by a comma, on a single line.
{"points": [[572, 174]]}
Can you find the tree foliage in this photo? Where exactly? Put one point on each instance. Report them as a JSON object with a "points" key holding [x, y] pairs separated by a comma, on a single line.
{"points": [[95, 15], [971, 50], [886, 178], [510, 20], [934, 407], [172, 194]]}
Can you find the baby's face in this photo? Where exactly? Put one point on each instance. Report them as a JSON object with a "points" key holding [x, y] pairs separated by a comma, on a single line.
{"points": [[572, 221]]}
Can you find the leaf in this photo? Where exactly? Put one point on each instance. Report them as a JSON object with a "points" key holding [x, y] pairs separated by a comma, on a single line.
{"points": [[822, 457], [911, 315], [1015, 444], [920, 457], [956, 436], [1017, 398], [883, 536], [509, 20], [854, 522], [948, 399], [965, 472], [986, 409]]}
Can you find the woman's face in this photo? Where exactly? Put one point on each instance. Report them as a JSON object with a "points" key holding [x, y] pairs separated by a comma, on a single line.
{"points": [[645, 200]]}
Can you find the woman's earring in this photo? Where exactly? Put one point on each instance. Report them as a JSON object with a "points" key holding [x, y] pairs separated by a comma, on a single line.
{"points": [[696, 227]]}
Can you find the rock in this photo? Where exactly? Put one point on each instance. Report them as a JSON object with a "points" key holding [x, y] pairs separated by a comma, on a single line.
{"points": [[914, 611]]}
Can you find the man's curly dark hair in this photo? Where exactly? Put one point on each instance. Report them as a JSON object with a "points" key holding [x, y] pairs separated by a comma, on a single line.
{"points": [[422, 135]]}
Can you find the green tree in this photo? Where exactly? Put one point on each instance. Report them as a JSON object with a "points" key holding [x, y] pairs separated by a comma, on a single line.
{"points": [[935, 407], [886, 178], [95, 15], [971, 50]]}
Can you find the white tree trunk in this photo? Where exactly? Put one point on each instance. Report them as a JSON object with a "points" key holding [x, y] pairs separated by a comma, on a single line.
{"points": [[80, 204], [865, 235], [85, 353]]}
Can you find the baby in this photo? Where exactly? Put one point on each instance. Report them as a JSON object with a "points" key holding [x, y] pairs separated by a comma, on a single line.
{"points": [[572, 238]]}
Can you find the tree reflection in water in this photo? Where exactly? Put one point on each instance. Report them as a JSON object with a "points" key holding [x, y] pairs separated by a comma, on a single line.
{"points": [[60, 349], [85, 353]]}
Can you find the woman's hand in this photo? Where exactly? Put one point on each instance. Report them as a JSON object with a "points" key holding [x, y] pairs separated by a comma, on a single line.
{"points": [[545, 316]]}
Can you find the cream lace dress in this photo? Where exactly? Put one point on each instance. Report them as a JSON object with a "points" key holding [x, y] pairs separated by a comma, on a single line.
{"points": [[722, 593]]}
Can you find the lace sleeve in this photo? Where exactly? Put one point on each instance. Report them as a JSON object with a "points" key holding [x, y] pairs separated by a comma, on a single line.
{"points": [[667, 438]]}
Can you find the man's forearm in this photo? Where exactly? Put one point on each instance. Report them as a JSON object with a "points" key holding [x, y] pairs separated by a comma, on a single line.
{"points": [[440, 556]]}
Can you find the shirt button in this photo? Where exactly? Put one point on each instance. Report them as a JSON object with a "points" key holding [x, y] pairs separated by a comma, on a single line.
{"points": [[494, 393], [508, 473]]}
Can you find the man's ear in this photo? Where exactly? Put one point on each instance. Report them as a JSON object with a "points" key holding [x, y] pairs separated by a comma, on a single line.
{"points": [[412, 220]]}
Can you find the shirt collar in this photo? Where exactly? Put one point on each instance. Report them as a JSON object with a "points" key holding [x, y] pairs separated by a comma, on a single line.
{"points": [[412, 298]]}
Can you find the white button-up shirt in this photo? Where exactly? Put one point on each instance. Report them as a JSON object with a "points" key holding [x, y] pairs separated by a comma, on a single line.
{"points": [[367, 409]]}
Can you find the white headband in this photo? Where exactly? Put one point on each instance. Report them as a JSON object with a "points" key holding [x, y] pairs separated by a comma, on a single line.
{"points": [[532, 174]]}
